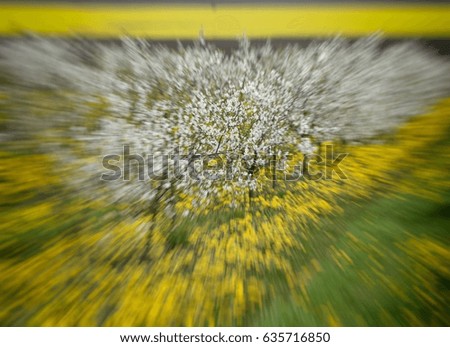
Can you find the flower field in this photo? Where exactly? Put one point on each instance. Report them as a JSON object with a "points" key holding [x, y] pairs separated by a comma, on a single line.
{"points": [[367, 249]]}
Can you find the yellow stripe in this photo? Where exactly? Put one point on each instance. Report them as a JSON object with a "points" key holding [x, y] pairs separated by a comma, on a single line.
{"points": [[226, 21]]}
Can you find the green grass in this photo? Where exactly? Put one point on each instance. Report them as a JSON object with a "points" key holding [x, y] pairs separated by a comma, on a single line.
{"points": [[382, 283]]}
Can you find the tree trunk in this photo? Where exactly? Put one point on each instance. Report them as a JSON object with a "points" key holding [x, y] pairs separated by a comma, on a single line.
{"points": [[274, 171]]}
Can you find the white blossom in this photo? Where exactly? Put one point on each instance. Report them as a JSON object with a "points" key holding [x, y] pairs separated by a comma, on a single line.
{"points": [[200, 103]]}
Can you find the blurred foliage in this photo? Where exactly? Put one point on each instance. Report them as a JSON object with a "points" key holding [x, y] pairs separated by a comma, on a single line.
{"points": [[368, 250]]}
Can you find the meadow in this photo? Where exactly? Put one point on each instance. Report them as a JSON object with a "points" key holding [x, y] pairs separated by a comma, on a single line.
{"points": [[368, 250]]}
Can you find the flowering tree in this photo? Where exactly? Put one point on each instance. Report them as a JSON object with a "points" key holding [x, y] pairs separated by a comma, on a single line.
{"points": [[196, 105], [355, 91]]}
